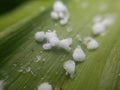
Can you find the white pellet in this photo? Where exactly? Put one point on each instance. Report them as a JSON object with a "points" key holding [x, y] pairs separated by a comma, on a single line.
{"points": [[39, 36], [38, 58], [28, 69], [47, 46], [45, 86], [98, 28], [63, 21], [91, 43], [54, 41], [69, 67], [78, 54], [59, 6], [60, 12], [54, 15], [65, 44]]}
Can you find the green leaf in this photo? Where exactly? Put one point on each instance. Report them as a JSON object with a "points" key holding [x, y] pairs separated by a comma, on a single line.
{"points": [[18, 49]]}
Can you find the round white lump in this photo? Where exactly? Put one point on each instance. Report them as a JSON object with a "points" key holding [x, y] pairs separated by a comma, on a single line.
{"points": [[59, 6], [69, 67], [54, 15], [98, 28], [78, 54], [45, 86], [39, 36], [91, 43]]}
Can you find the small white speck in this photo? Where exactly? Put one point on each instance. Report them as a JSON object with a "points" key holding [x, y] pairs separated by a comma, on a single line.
{"points": [[84, 4], [47, 46], [28, 69], [14, 65], [38, 58], [78, 37], [32, 73], [69, 29], [20, 70]]}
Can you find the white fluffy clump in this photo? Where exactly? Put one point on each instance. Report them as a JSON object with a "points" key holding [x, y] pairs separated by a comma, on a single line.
{"points": [[78, 54], [98, 28], [100, 24], [60, 12], [91, 43], [45, 86], [39, 36], [53, 40], [69, 67], [65, 44]]}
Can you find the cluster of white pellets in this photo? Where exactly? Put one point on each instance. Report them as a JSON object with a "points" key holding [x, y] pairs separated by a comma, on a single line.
{"points": [[91, 43], [53, 40], [78, 56], [45, 86], [60, 12], [101, 24]]}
